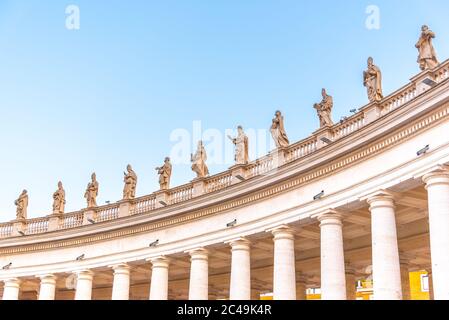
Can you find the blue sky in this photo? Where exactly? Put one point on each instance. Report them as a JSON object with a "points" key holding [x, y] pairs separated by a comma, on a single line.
{"points": [[111, 93]]}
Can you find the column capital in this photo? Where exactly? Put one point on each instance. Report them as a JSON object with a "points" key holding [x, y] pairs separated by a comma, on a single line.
{"points": [[121, 268], [239, 244], [12, 282], [160, 262], [437, 175], [84, 274], [330, 216], [282, 232], [198, 254], [47, 278], [381, 198]]}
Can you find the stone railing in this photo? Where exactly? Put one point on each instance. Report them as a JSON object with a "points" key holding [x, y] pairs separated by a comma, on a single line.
{"points": [[262, 166]]}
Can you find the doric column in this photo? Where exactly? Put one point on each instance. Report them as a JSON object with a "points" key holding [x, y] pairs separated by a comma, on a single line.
{"points": [[120, 287], [284, 275], [11, 289], [159, 279], [301, 288], [351, 290], [405, 279], [386, 269], [48, 287], [437, 185], [333, 281], [199, 275], [240, 270], [84, 281]]}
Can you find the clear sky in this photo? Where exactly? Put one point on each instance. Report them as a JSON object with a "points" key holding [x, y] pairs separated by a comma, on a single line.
{"points": [[111, 93]]}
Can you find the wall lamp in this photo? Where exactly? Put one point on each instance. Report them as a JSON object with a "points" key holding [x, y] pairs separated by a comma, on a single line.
{"points": [[319, 196], [423, 151], [154, 244], [326, 140], [7, 266], [232, 224], [91, 221], [81, 257], [163, 203]]}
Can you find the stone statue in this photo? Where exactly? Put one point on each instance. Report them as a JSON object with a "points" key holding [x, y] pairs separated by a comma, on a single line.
{"points": [[130, 179], [427, 58], [278, 131], [372, 80], [324, 109], [165, 174], [241, 146], [92, 192], [59, 199], [199, 159], [22, 206]]}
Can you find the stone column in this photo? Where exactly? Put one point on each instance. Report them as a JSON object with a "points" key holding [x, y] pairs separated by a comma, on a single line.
{"points": [[240, 270], [284, 275], [159, 279], [11, 289], [351, 290], [48, 287], [120, 287], [386, 268], [333, 281], [405, 280], [301, 288], [84, 285], [199, 275], [437, 185]]}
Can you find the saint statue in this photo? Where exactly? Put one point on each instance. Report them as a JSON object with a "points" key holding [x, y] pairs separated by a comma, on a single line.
{"points": [[241, 146], [278, 131], [130, 179], [427, 58], [165, 174], [22, 206], [372, 80], [92, 192], [199, 161], [59, 199], [324, 109]]}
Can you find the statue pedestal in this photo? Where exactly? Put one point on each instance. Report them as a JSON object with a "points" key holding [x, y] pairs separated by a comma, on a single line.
{"points": [[278, 157], [54, 221], [162, 199], [199, 187], [19, 227], [125, 208], [372, 112], [89, 216], [424, 81], [238, 173], [324, 136]]}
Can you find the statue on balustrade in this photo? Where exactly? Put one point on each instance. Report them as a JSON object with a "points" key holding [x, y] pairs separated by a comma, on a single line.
{"points": [[198, 160], [92, 192], [22, 206], [372, 80], [165, 174], [278, 131], [59, 199], [427, 58], [324, 109], [130, 179], [241, 147]]}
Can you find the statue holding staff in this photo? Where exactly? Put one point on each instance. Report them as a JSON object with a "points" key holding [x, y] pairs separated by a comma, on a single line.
{"points": [[241, 147], [92, 192], [198, 160], [324, 109], [372, 80], [59, 199], [278, 131], [130, 179], [22, 206], [427, 58], [165, 174]]}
